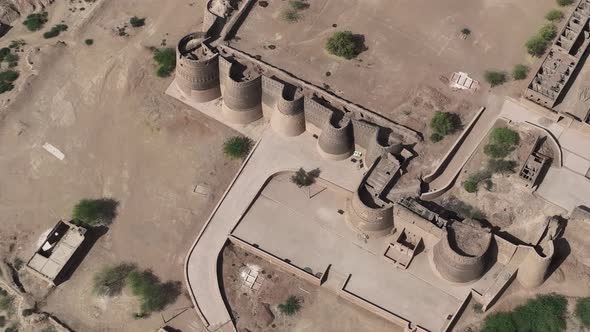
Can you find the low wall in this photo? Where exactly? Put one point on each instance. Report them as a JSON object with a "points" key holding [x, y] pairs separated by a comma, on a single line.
{"points": [[317, 281]]}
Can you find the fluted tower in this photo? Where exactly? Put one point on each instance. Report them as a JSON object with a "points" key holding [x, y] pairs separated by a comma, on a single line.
{"points": [[461, 255], [531, 272], [197, 69], [241, 90], [336, 141]]}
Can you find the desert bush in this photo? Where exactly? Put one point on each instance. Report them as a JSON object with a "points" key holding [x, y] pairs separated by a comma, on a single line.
{"points": [[583, 311], [303, 178], [111, 279], [470, 185], [545, 313], [501, 166], [94, 212], [519, 72], [537, 44], [2, 321], [565, 2], [152, 293], [237, 147], [494, 77], [554, 15], [137, 22], [35, 21], [444, 123], [290, 15], [463, 209], [166, 60], [89, 41], [344, 44], [6, 300], [291, 306], [502, 142], [436, 137], [4, 52], [9, 75], [298, 4], [55, 31], [5, 86]]}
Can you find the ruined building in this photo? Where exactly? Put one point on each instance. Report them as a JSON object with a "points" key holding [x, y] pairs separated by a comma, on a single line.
{"points": [[562, 59]]}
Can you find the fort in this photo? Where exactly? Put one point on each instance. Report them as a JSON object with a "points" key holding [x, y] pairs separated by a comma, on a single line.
{"points": [[368, 233]]}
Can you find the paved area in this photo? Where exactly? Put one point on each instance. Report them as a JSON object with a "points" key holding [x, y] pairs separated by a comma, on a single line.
{"points": [[309, 232], [566, 187], [201, 265]]}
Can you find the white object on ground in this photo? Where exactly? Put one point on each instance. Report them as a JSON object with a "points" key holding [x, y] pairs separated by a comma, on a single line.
{"points": [[54, 151], [461, 80]]}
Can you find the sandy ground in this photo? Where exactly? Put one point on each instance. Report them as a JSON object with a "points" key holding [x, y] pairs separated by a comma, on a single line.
{"points": [[105, 109], [251, 306]]}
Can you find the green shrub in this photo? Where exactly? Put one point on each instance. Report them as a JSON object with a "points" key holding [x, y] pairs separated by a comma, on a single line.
{"points": [[304, 179], [495, 78], [501, 166], [8, 75], [536, 46], [2, 321], [137, 22], [36, 21], [554, 15], [11, 57], [166, 59], [344, 44], [237, 147], [436, 137], [291, 306], [565, 2], [4, 52], [5, 86], [545, 313], [89, 41], [153, 294], [502, 142], [298, 4], [548, 32], [505, 136], [444, 123], [95, 212], [583, 311], [111, 279], [470, 185], [5, 300], [290, 15], [520, 71], [55, 31]]}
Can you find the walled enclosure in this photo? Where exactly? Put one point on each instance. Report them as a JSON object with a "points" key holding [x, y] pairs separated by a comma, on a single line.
{"points": [[197, 73], [461, 255]]}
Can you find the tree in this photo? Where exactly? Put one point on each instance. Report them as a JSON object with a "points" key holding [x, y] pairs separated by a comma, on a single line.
{"points": [[95, 212], [9, 75], [237, 147], [536, 45], [583, 311], [344, 44], [554, 15], [55, 31], [291, 306], [5, 86], [111, 279], [444, 123], [166, 59], [495, 78], [4, 52], [466, 31], [137, 22], [548, 32], [152, 293], [520, 71], [35, 21], [470, 185], [304, 179], [436, 137], [89, 41]]}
